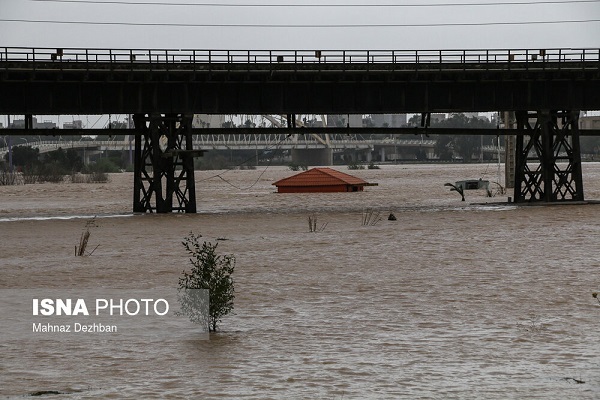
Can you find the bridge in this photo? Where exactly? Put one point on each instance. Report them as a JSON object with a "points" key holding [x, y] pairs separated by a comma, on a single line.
{"points": [[251, 142], [163, 88]]}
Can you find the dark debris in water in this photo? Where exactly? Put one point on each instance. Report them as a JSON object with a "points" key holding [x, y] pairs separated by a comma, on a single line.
{"points": [[45, 393], [40, 393], [578, 381]]}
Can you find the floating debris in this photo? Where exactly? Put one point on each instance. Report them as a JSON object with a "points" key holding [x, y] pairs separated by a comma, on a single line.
{"points": [[371, 217]]}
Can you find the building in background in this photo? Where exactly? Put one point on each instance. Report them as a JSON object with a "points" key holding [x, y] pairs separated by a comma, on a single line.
{"points": [[589, 122], [75, 124], [389, 120], [20, 124]]}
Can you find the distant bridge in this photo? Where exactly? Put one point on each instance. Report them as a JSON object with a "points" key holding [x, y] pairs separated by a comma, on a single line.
{"points": [[336, 142]]}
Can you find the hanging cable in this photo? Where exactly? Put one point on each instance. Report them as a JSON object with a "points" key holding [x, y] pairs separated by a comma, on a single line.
{"points": [[276, 146], [255, 182], [311, 26]]}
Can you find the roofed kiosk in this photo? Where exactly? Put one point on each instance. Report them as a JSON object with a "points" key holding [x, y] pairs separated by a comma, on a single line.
{"points": [[318, 180]]}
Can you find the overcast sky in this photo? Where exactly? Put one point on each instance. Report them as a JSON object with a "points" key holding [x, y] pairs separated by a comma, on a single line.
{"points": [[313, 27], [299, 24]]}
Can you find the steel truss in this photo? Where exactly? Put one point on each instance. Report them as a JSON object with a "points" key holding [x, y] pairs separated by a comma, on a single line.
{"points": [[548, 160], [163, 164]]}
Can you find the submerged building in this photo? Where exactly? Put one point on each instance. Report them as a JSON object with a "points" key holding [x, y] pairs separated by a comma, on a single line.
{"points": [[321, 180]]}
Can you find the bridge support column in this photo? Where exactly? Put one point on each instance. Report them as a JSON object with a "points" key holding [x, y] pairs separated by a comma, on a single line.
{"points": [[509, 150], [29, 121], [312, 156], [163, 164], [548, 160]]}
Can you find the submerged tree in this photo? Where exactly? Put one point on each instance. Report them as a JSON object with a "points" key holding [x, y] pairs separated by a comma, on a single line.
{"points": [[24, 156], [210, 271], [444, 147], [461, 145]]}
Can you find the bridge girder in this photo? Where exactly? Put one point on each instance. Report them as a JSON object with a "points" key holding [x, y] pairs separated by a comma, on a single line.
{"points": [[34, 81], [365, 96]]}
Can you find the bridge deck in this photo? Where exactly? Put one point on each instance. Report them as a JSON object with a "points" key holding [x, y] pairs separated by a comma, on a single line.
{"points": [[99, 81]]}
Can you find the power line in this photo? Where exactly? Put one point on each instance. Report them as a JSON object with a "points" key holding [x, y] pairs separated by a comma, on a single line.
{"points": [[322, 5], [188, 25], [268, 148]]}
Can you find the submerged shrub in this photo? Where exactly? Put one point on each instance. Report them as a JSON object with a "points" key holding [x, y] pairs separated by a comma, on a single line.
{"points": [[210, 271]]}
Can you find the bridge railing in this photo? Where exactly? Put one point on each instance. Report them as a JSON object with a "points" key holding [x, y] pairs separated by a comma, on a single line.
{"points": [[243, 140], [190, 56]]}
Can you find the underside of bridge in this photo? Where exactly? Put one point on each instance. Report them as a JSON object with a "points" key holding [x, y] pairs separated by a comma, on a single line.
{"points": [[164, 90], [548, 160], [164, 164]]}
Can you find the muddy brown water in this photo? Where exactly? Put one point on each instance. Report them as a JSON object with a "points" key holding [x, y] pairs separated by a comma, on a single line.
{"points": [[452, 300]]}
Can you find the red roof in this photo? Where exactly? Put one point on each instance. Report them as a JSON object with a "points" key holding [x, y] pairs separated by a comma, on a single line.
{"points": [[320, 177]]}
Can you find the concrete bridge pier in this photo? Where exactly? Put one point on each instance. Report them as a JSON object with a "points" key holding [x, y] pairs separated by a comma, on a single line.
{"points": [[382, 154], [509, 150], [87, 154], [312, 156], [163, 164], [548, 160]]}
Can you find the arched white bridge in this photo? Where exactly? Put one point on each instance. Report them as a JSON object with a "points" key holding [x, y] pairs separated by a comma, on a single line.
{"points": [[337, 142], [246, 142]]}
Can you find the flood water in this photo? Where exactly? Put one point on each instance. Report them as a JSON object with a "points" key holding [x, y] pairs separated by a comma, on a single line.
{"points": [[453, 300]]}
